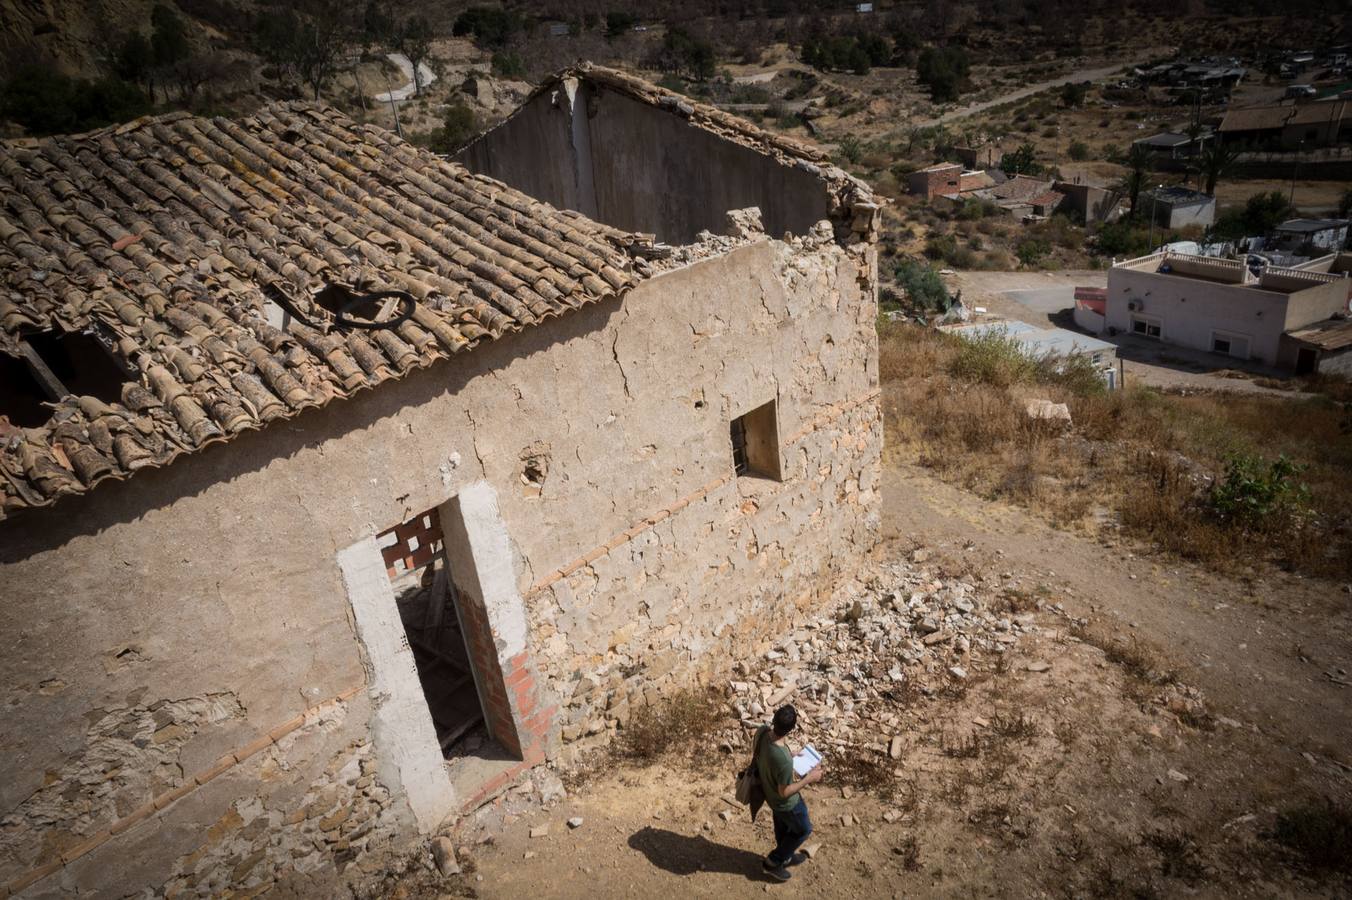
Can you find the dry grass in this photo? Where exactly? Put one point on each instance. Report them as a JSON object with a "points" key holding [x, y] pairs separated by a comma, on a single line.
{"points": [[681, 724], [1146, 457]]}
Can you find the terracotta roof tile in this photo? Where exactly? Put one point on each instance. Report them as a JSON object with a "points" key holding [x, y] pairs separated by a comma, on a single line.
{"points": [[168, 236]]}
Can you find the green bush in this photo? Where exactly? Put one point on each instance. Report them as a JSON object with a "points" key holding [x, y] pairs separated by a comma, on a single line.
{"points": [[1261, 213], [1258, 494], [974, 208], [993, 358], [507, 64], [1078, 150], [850, 149], [1031, 250], [458, 127], [940, 246], [922, 284], [1073, 94]]}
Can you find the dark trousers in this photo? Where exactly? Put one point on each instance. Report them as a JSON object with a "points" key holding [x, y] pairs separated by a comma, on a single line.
{"points": [[791, 829]]}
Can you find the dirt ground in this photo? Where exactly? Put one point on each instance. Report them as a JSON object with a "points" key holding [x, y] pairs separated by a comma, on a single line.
{"points": [[1156, 768]]}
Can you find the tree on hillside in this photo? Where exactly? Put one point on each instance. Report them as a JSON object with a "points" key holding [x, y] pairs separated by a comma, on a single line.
{"points": [[1022, 161], [490, 26], [944, 70], [169, 37], [377, 24], [685, 54], [1140, 163], [415, 42], [1073, 95], [1214, 162], [1262, 213], [134, 60], [169, 46], [306, 45]]}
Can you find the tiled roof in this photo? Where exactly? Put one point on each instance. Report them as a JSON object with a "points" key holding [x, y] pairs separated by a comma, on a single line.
{"points": [[1330, 334], [167, 236], [1049, 198], [1021, 187]]}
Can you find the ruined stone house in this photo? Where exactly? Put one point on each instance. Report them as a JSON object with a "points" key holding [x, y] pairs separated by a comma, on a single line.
{"points": [[341, 483]]}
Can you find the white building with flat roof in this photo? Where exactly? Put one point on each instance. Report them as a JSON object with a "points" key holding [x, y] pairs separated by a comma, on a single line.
{"points": [[1219, 305]]}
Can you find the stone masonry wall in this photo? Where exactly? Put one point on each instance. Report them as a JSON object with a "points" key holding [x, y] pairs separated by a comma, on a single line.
{"points": [[186, 699]]}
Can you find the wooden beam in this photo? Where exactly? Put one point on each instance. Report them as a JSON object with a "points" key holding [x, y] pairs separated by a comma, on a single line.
{"points": [[51, 385]]}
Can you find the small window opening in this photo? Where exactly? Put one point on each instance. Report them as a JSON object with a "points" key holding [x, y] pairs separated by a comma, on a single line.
{"points": [[428, 607], [52, 365], [1220, 345], [755, 443]]}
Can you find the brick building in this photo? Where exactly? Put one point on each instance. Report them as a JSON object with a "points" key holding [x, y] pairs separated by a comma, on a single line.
{"points": [[340, 483]]}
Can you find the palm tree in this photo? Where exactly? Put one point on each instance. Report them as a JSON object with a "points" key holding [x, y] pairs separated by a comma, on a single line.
{"points": [[1140, 162], [1215, 161]]}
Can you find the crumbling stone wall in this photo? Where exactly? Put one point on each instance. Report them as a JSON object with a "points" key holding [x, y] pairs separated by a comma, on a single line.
{"points": [[203, 603]]}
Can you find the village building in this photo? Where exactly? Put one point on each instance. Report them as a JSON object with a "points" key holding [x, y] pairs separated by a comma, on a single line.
{"points": [[1178, 207], [1318, 235], [341, 483], [1221, 306], [1289, 126], [946, 180], [1171, 146]]}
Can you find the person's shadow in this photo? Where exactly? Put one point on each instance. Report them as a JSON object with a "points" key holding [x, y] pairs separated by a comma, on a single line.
{"points": [[682, 855]]}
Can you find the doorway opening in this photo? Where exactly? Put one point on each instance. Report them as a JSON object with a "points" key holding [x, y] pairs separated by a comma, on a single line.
{"points": [[1307, 361], [425, 593]]}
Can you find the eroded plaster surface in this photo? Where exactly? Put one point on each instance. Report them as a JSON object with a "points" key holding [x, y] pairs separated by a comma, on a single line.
{"points": [[224, 595]]}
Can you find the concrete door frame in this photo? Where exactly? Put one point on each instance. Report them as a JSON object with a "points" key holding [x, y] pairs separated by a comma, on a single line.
{"points": [[492, 612]]}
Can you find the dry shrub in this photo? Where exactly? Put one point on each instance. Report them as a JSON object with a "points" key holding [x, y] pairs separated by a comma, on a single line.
{"points": [[863, 770], [1319, 834], [682, 723]]}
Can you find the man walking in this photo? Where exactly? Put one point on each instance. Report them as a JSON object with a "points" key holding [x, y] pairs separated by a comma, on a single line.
{"points": [[783, 793]]}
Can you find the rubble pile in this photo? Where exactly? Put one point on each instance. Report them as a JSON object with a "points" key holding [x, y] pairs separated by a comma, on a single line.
{"points": [[904, 633]]}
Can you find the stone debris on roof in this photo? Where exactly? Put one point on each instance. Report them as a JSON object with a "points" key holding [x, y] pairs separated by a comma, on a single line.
{"points": [[169, 237]]}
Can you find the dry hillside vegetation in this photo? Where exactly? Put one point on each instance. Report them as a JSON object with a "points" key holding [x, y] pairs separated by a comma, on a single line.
{"points": [[1224, 479]]}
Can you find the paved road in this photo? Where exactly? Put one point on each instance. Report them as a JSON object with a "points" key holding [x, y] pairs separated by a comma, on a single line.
{"points": [[425, 74]]}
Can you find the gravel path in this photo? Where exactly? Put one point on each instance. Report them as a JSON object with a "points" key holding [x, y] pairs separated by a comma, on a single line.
{"points": [[425, 74]]}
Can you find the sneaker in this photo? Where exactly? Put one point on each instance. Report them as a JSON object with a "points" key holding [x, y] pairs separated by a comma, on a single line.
{"points": [[778, 873], [798, 859]]}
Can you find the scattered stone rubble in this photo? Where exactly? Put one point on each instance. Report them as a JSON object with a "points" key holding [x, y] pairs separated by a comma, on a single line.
{"points": [[903, 632]]}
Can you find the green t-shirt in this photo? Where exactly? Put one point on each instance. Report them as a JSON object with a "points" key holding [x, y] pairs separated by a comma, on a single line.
{"points": [[775, 767]]}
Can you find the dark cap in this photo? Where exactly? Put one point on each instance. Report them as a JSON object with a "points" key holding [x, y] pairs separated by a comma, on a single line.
{"points": [[786, 718]]}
